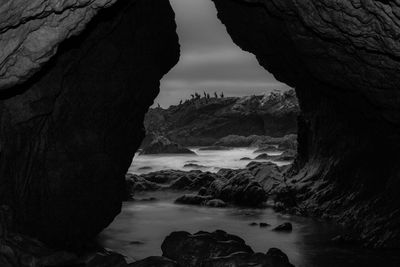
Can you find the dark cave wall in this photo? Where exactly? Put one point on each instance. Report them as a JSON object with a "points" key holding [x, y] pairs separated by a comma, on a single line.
{"points": [[68, 135], [343, 59]]}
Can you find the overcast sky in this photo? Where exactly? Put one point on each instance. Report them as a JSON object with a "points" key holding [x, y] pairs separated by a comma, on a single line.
{"points": [[210, 61]]}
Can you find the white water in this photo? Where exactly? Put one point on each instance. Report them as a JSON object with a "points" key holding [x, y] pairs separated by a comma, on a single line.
{"points": [[212, 160]]}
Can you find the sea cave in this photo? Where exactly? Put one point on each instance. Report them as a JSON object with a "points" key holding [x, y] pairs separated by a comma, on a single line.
{"points": [[78, 77]]}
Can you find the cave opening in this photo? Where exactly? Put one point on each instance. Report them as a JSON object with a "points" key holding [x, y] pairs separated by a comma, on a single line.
{"points": [[77, 78]]}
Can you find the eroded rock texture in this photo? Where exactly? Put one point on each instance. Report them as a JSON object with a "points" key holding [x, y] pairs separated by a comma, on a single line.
{"points": [[205, 120], [69, 133], [343, 58], [32, 30]]}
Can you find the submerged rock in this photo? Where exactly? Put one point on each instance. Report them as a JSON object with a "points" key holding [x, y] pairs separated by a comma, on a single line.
{"points": [[194, 165], [284, 227], [204, 249], [161, 145], [216, 203]]}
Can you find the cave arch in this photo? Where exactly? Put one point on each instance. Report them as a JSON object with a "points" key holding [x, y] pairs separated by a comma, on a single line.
{"points": [[57, 156]]}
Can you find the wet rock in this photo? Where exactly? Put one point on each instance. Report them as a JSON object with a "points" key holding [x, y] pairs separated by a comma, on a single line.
{"points": [[216, 203], [136, 183], [136, 243], [202, 191], [266, 148], [161, 145], [154, 261], [253, 224], [203, 179], [192, 250], [263, 224], [278, 258], [204, 249], [181, 183], [193, 199], [145, 168], [194, 165], [264, 156], [285, 227], [287, 156], [240, 189], [245, 158]]}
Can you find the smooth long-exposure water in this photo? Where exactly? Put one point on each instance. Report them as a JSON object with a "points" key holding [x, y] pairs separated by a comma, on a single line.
{"points": [[212, 160], [142, 225]]}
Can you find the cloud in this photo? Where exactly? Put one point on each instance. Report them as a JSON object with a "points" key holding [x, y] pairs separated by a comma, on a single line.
{"points": [[209, 59]]}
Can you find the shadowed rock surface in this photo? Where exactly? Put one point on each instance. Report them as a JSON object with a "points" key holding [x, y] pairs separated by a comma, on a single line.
{"points": [[204, 121], [31, 32], [343, 59], [68, 135], [217, 249]]}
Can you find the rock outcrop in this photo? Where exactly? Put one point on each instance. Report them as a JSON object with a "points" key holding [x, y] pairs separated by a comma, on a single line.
{"points": [[161, 145], [343, 59], [69, 133], [217, 249], [261, 141], [204, 121]]}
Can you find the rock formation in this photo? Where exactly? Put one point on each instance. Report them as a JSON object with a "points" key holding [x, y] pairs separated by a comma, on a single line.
{"points": [[204, 121], [343, 59], [161, 145], [69, 133], [69, 128]]}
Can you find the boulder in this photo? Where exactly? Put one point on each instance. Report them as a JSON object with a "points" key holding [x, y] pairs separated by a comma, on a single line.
{"points": [[217, 249], [182, 182], [263, 224], [284, 227], [216, 203], [194, 166], [240, 189], [161, 145], [136, 183]]}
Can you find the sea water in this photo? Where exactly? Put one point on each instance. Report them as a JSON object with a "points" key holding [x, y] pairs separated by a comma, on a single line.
{"points": [[208, 160], [141, 227]]}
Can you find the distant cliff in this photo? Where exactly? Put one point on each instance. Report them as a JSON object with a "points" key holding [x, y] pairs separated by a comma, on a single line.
{"points": [[203, 121]]}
